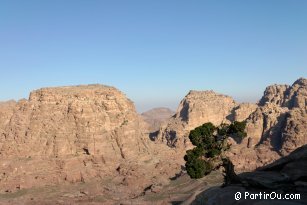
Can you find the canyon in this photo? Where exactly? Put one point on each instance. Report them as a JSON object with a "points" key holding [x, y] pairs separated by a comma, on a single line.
{"points": [[87, 144]]}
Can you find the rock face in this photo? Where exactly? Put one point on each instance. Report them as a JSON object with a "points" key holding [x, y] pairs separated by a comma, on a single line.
{"points": [[275, 126], [243, 111], [195, 109], [279, 104], [78, 133], [286, 96], [156, 117], [285, 176], [6, 112], [205, 106], [73, 121]]}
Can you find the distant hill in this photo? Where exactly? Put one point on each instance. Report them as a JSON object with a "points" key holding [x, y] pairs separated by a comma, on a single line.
{"points": [[155, 117]]}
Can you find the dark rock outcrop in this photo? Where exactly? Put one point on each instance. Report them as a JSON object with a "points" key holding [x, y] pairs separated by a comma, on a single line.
{"points": [[286, 177]]}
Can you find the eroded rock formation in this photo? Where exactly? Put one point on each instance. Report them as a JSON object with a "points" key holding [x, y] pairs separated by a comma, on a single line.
{"points": [[64, 121], [76, 134], [73, 134], [275, 126], [195, 109]]}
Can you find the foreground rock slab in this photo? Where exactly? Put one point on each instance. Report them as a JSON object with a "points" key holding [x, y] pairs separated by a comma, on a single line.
{"points": [[285, 178]]}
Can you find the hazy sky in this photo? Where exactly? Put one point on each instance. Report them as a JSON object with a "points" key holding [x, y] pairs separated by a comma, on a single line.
{"points": [[154, 51]]}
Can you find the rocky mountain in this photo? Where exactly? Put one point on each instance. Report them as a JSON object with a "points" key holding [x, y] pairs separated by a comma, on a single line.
{"points": [[275, 126], [196, 108], [77, 134], [91, 136], [156, 117], [74, 120]]}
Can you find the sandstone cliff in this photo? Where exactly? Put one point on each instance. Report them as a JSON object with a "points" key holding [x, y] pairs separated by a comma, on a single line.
{"points": [[76, 134], [279, 104], [73, 121], [275, 126], [195, 109], [6, 111]]}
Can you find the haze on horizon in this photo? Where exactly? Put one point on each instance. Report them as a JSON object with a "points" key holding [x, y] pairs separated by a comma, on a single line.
{"points": [[153, 51]]}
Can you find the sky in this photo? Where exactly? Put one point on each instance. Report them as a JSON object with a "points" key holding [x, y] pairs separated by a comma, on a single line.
{"points": [[155, 51]]}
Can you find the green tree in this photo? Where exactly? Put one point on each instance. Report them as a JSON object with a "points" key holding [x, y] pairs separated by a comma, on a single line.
{"points": [[198, 168], [202, 135], [238, 129], [210, 142]]}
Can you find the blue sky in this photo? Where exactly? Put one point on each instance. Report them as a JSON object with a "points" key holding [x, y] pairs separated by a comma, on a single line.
{"points": [[153, 50]]}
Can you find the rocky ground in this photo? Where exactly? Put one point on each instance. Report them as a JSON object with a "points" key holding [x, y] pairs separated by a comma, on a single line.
{"points": [[106, 192]]}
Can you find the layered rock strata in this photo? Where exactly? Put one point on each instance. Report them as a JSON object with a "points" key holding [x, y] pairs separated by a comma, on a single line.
{"points": [[76, 134]]}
